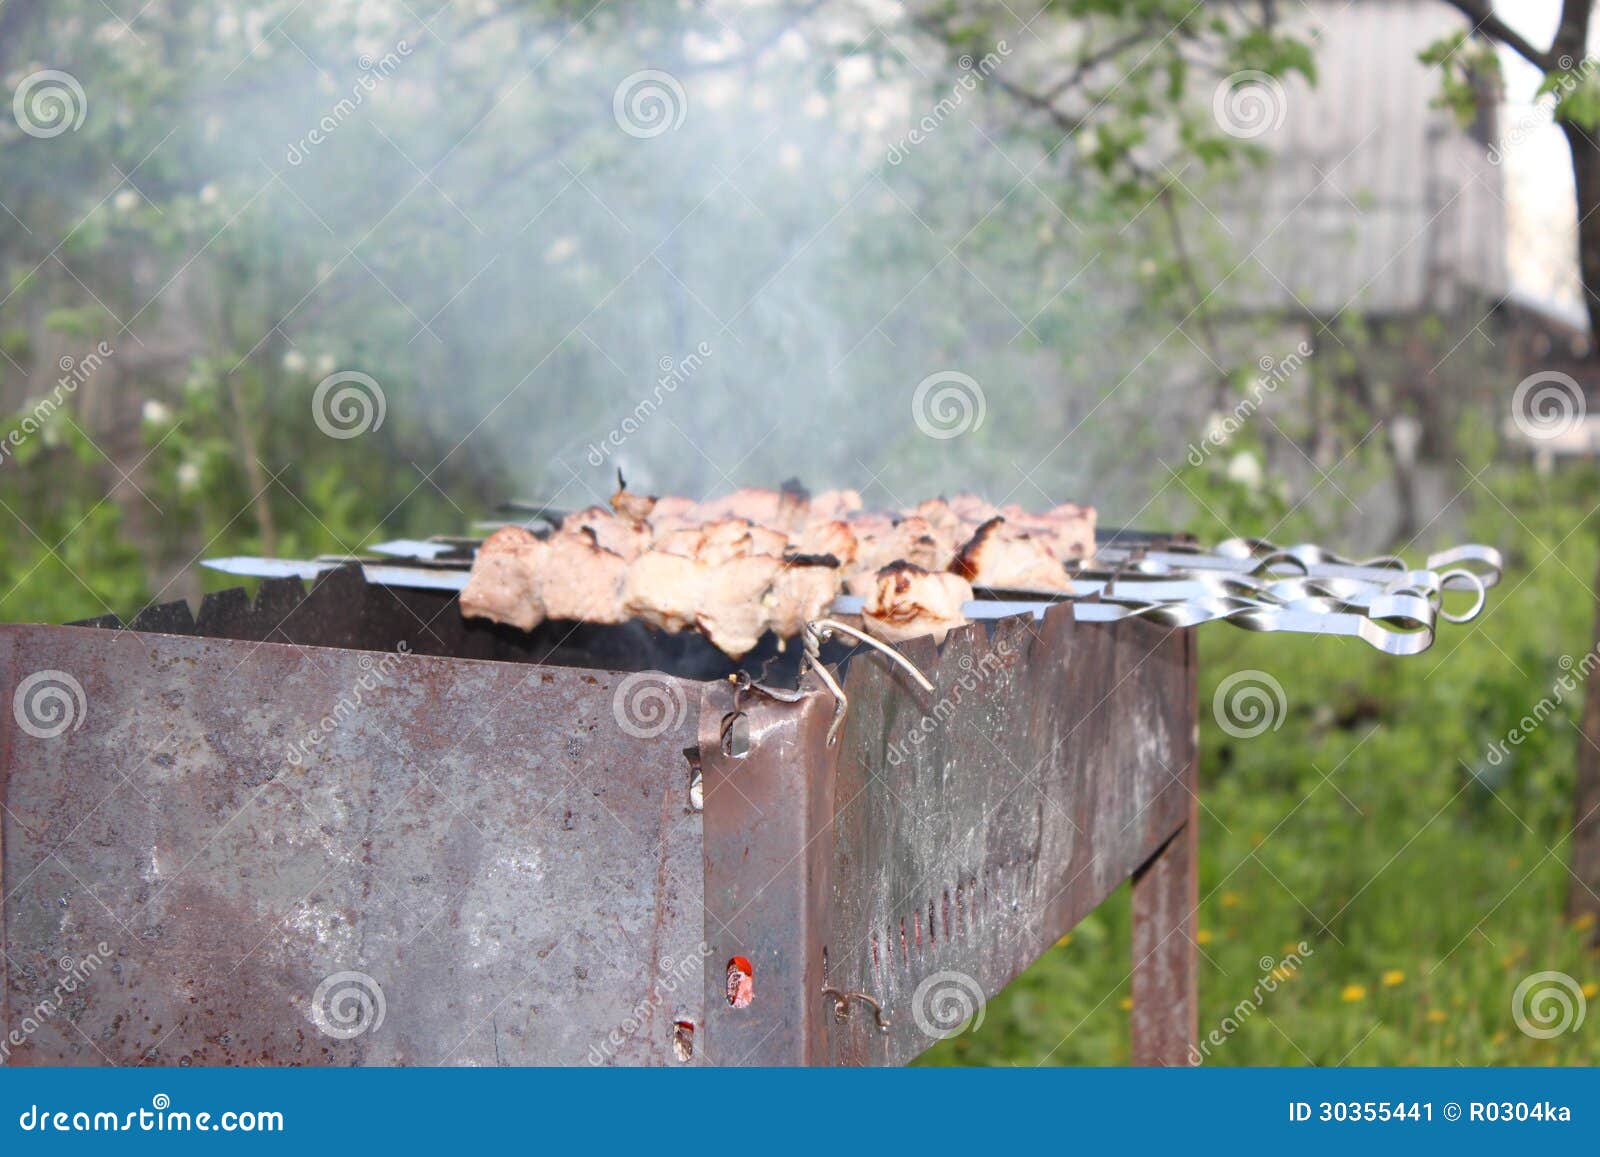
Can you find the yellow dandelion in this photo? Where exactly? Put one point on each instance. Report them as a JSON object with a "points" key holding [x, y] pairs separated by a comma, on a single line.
{"points": [[1499, 1038], [1393, 977], [1203, 936], [1437, 1016], [1353, 992], [1230, 899], [1064, 941], [1126, 1004], [1591, 990], [1585, 922]]}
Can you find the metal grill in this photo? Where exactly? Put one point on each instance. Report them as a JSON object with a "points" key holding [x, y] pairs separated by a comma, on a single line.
{"points": [[530, 877]]}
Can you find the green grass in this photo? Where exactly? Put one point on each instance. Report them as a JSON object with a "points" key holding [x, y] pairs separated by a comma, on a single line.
{"points": [[1425, 892]]}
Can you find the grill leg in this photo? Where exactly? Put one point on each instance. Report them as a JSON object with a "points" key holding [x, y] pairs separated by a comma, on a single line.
{"points": [[1165, 1002], [1166, 895]]}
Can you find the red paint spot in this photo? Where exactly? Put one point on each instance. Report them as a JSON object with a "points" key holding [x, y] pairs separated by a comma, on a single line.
{"points": [[741, 982]]}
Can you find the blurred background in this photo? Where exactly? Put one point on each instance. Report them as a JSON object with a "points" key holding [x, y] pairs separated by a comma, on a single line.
{"points": [[287, 278]]}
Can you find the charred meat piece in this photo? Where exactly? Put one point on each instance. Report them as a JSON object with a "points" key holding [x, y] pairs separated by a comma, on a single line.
{"points": [[503, 585], [1000, 555], [907, 601]]}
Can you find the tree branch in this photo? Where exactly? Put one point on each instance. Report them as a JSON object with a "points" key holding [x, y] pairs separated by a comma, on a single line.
{"points": [[1486, 23]]}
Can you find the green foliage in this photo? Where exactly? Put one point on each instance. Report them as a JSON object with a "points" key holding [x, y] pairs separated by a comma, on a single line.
{"points": [[1469, 66]]}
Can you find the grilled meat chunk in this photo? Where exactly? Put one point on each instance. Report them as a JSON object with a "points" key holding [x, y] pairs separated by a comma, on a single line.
{"points": [[723, 539], [912, 539], [503, 585], [636, 508], [1068, 529], [802, 590], [832, 537], [621, 536], [1000, 555], [907, 601], [663, 589], [732, 609], [581, 580]]}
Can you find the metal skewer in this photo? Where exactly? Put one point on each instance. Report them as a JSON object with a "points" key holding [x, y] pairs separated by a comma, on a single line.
{"points": [[1395, 621]]}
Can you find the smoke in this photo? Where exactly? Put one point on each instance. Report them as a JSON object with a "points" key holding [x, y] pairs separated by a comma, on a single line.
{"points": [[522, 221]]}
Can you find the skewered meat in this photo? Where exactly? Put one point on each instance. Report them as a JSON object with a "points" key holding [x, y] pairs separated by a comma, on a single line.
{"points": [[619, 535], [581, 580], [1068, 529], [833, 504], [726, 599], [663, 589], [504, 581], [802, 591], [732, 610], [761, 560], [907, 601], [722, 540], [913, 540], [1000, 555], [671, 512], [784, 510], [833, 537], [635, 508]]}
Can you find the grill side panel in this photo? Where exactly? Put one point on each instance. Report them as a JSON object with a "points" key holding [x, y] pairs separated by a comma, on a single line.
{"points": [[976, 825], [224, 829]]}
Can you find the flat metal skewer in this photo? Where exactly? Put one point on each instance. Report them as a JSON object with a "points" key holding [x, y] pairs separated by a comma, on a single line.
{"points": [[1411, 615]]}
